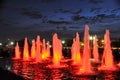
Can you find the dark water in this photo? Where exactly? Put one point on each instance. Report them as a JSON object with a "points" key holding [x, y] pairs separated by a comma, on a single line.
{"points": [[40, 71]]}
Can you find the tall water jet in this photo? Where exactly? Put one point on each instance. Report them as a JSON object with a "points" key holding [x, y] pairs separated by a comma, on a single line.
{"points": [[107, 58], [33, 51], [73, 50], [48, 49], [26, 51], [38, 49], [44, 52], [56, 51], [76, 57], [17, 51], [95, 50], [86, 64]]}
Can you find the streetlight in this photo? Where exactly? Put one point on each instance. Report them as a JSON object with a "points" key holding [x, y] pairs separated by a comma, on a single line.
{"points": [[63, 41], [11, 43], [0, 44]]}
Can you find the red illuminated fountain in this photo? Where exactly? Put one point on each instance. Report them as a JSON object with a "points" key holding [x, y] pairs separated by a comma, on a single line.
{"points": [[33, 51], [95, 50], [38, 49], [26, 51], [17, 52], [44, 50], [57, 53], [107, 58], [75, 50], [48, 49], [86, 64]]}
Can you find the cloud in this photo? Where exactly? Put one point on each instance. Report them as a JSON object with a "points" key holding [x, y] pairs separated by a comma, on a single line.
{"points": [[115, 10], [58, 22], [77, 17], [68, 11], [96, 1], [95, 10], [32, 14], [61, 28], [47, 1]]}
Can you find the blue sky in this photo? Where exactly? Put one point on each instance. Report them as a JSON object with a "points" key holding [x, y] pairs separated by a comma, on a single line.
{"points": [[27, 18]]}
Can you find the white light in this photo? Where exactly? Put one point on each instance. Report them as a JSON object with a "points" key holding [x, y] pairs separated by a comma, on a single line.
{"points": [[50, 46], [0, 44], [63, 42], [91, 38], [12, 43]]}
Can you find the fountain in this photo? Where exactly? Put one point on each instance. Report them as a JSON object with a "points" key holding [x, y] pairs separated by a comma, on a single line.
{"points": [[57, 53], [44, 51], [95, 50], [33, 51], [38, 49], [48, 49], [46, 67], [26, 51], [107, 58], [75, 51], [17, 52], [86, 64]]}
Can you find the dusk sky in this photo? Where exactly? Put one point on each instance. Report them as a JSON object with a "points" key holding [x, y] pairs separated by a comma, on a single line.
{"points": [[28, 18]]}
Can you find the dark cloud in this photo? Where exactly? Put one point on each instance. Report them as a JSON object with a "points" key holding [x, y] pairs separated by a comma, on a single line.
{"points": [[2, 3], [118, 2], [68, 11], [62, 28], [47, 1], [96, 1], [32, 14], [115, 10], [61, 18], [77, 17], [74, 27], [58, 22], [95, 10]]}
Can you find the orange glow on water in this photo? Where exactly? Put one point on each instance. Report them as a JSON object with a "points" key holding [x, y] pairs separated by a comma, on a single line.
{"points": [[26, 51], [33, 51], [56, 59], [17, 51]]}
